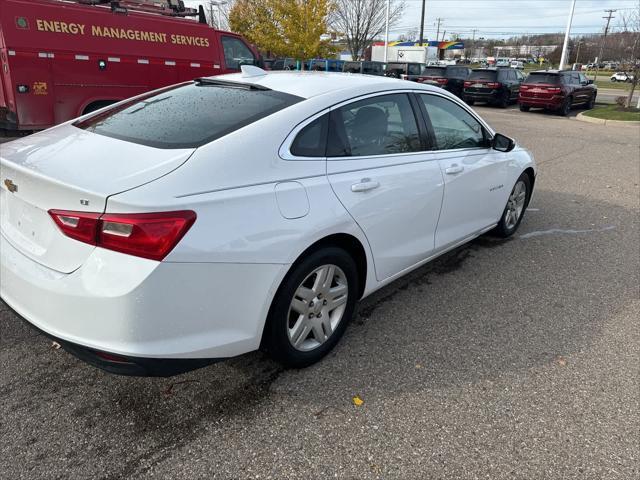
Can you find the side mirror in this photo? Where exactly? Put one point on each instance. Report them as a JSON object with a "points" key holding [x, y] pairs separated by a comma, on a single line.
{"points": [[502, 143], [589, 82]]}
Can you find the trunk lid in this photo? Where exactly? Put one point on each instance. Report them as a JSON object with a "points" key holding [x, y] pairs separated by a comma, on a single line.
{"points": [[67, 168]]}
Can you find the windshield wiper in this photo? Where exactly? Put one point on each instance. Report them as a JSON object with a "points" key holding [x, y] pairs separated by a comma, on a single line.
{"points": [[227, 83]]}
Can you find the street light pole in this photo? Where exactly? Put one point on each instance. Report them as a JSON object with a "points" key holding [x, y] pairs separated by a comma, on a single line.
{"points": [[386, 32], [563, 57]]}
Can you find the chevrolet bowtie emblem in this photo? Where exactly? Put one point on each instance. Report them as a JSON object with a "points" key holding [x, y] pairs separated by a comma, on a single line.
{"points": [[12, 187]]}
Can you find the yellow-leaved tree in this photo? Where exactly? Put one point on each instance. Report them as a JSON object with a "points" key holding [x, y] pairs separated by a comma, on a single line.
{"points": [[285, 28]]}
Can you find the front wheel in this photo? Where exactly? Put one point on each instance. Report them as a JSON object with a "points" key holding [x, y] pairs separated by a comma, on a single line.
{"points": [[591, 103], [312, 308], [614, 80], [515, 208], [525, 108]]}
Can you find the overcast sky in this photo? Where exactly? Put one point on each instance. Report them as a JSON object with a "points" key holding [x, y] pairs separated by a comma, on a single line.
{"points": [[504, 18]]}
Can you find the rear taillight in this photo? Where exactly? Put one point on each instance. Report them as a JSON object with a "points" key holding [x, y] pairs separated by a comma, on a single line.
{"points": [[442, 81], [467, 84], [147, 235], [494, 84], [524, 87], [553, 89], [80, 226]]}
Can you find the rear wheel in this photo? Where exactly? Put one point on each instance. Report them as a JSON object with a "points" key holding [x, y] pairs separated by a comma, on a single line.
{"points": [[515, 208], [504, 100], [312, 308], [613, 79], [565, 108], [525, 108]]}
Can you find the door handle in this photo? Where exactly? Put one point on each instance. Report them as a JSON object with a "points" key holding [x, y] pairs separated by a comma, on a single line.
{"points": [[365, 185], [454, 169]]}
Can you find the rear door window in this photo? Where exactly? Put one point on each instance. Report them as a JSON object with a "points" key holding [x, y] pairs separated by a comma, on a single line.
{"points": [[380, 125], [236, 53], [187, 116]]}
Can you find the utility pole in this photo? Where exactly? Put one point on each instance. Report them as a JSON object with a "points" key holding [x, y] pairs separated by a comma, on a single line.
{"points": [[563, 57], [438, 38], [473, 42], [604, 38], [422, 23], [578, 52], [386, 32]]}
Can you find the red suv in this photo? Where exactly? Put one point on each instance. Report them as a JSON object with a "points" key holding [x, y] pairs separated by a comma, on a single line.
{"points": [[557, 90]]}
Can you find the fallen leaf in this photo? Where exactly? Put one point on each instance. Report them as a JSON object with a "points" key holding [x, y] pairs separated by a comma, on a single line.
{"points": [[560, 360], [357, 401], [55, 345]]}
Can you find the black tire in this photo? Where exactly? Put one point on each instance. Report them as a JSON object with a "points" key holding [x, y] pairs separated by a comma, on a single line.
{"points": [[276, 337], [470, 101], [613, 79], [504, 100], [503, 229], [92, 107], [565, 108], [591, 103], [525, 108]]}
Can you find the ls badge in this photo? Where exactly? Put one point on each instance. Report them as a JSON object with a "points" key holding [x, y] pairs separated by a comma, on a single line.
{"points": [[12, 187]]}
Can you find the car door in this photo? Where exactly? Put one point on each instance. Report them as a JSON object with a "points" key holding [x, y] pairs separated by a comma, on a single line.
{"points": [[379, 168], [474, 174], [579, 90]]}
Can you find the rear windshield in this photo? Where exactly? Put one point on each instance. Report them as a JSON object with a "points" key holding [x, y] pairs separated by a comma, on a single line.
{"points": [[483, 75], [542, 78], [459, 72], [187, 116], [433, 72]]}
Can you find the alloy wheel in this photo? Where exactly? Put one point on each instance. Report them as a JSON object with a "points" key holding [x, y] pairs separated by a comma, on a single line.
{"points": [[515, 205], [317, 307]]}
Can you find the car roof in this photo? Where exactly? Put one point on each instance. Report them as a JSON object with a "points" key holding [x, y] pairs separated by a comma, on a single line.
{"points": [[311, 84], [553, 72]]}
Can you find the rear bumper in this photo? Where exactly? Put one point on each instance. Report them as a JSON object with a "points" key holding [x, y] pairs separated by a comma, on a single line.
{"points": [[481, 96], [552, 103], [142, 310]]}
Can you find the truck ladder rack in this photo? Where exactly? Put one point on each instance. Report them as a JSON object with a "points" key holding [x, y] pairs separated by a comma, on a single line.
{"points": [[173, 8]]}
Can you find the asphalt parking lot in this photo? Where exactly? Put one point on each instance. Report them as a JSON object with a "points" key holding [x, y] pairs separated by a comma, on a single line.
{"points": [[502, 359]]}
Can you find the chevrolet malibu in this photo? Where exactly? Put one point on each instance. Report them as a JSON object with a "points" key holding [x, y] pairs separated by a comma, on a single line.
{"points": [[245, 211]]}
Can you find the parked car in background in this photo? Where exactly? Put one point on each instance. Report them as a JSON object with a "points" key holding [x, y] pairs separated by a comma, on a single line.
{"points": [[284, 64], [558, 90], [497, 86], [366, 68], [320, 189], [621, 77], [517, 65], [450, 77], [325, 65], [503, 62], [405, 71]]}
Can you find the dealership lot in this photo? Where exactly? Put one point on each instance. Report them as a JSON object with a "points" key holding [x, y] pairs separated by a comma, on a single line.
{"points": [[503, 359]]}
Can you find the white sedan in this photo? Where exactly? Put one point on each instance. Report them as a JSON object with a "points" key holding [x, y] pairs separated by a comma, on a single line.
{"points": [[621, 77], [253, 210]]}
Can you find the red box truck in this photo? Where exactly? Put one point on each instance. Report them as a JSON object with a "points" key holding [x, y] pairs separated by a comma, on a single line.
{"points": [[63, 58]]}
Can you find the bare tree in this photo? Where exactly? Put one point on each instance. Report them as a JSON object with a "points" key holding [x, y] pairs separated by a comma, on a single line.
{"points": [[631, 23], [362, 21]]}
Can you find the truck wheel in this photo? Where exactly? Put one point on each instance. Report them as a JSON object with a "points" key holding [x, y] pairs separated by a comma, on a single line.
{"points": [[92, 107], [525, 108]]}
